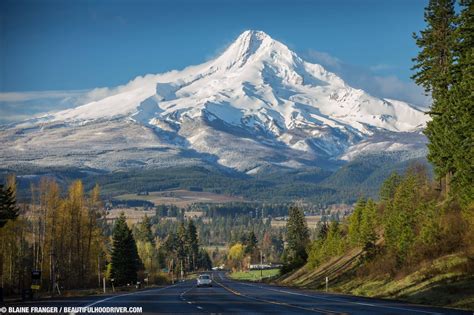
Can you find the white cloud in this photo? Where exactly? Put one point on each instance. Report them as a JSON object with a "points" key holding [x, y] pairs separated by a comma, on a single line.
{"points": [[384, 86], [325, 58], [17, 106], [381, 67], [33, 95], [392, 87]]}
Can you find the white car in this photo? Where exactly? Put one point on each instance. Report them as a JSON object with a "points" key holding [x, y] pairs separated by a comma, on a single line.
{"points": [[204, 281]]}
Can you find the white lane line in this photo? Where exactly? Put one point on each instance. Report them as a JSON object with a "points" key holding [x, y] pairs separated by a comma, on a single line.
{"points": [[199, 307], [342, 301], [365, 304], [126, 294]]}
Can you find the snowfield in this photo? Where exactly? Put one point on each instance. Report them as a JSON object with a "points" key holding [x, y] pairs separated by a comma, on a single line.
{"points": [[255, 105]]}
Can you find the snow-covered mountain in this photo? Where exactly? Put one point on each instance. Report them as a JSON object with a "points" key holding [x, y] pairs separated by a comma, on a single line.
{"points": [[257, 105]]}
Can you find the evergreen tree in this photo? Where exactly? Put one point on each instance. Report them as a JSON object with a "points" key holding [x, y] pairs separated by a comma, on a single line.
{"points": [[434, 62], [204, 262], [368, 223], [459, 117], [125, 261], [334, 242], [192, 243], [323, 229], [387, 190], [251, 244], [297, 236], [332, 245], [430, 228], [8, 207], [143, 232], [355, 222], [434, 66], [181, 248], [401, 218], [171, 243]]}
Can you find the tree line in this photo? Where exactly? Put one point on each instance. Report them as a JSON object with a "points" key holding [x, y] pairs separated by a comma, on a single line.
{"points": [[59, 236], [416, 218], [66, 237], [445, 68]]}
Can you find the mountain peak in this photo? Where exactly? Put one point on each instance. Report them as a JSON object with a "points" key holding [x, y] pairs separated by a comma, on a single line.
{"points": [[253, 44], [258, 79], [255, 34]]}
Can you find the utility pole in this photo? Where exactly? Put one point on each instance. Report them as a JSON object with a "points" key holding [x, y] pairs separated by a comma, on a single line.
{"points": [[261, 265]]}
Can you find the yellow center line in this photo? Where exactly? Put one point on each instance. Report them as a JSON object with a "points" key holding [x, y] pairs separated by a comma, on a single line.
{"points": [[313, 309]]}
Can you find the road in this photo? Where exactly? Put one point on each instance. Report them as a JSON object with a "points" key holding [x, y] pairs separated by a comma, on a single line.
{"points": [[228, 296]]}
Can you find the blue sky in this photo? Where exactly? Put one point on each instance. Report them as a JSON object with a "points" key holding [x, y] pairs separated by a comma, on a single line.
{"points": [[61, 47]]}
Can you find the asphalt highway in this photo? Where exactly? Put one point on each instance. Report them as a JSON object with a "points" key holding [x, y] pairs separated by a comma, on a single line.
{"points": [[231, 297]]}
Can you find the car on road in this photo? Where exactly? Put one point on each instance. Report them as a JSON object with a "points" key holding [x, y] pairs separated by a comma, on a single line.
{"points": [[204, 281]]}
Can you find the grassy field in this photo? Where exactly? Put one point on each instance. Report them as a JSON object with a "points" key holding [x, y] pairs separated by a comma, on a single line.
{"points": [[133, 215], [254, 275], [180, 197], [311, 220]]}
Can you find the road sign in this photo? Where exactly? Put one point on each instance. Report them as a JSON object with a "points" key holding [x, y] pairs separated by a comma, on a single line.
{"points": [[36, 274]]}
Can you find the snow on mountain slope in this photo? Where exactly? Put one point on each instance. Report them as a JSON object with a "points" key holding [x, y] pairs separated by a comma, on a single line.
{"points": [[257, 103]]}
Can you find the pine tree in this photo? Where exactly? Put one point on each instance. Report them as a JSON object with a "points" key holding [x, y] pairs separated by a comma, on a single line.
{"points": [[8, 207], [459, 117], [430, 231], [355, 222], [401, 218], [125, 260], [323, 229], [387, 190], [434, 66], [251, 244], [434, 61], [331, 245], [368, 223], [334, 243], [204, 262], [297, 236], [143, 231], [181, 248], [192, 244], [8, 212]]}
